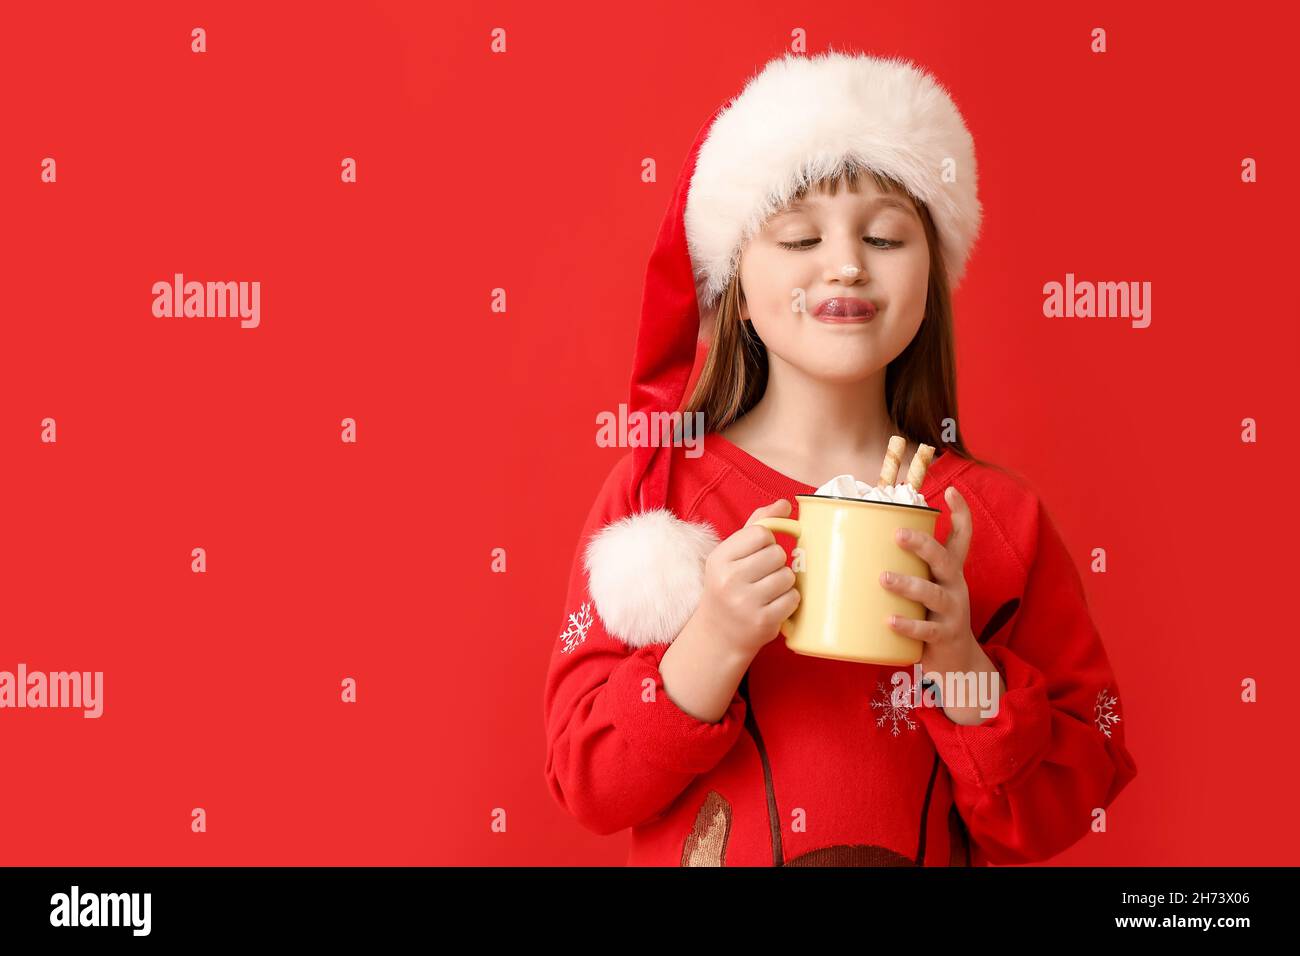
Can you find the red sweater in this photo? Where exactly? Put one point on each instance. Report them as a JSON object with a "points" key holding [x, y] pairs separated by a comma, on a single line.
{"points": [[808, 766]]}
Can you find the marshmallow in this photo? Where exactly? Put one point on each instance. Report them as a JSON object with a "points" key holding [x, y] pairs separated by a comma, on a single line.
{"points": [[846, 486]]}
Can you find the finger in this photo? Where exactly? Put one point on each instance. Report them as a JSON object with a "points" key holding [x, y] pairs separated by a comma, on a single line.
{"points": [[774, 585], [963, 526], [785, 604], [936, 598], [747, 542], [921, 630], [929, 550], [778, 509], [753, 537], [761, 563]]}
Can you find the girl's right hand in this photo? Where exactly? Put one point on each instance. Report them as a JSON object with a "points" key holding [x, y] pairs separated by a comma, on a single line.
{"points": [[748, 588]]}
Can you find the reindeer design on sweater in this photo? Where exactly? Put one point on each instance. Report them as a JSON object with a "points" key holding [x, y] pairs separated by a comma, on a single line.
{"points": [[707, 843]]}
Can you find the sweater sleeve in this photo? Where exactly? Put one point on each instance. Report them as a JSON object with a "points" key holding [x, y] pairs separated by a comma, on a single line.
{"points": [[1027, 780], [619, 751]]}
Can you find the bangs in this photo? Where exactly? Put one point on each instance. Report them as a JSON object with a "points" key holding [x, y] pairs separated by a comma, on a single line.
{"points": [[851, 177]]}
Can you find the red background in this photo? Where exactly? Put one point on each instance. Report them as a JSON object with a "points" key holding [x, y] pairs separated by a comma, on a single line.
{"points": [[477, 429]]}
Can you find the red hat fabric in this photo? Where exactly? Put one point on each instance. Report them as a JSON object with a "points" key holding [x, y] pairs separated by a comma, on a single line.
{"points": [[667, 335]]}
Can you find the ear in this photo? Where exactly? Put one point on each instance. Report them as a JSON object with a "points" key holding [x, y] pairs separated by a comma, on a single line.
{"points": [[646, 574], [706, 845]]}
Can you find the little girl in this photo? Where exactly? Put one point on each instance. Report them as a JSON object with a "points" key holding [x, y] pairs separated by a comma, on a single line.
{"points": [[818, 226]]}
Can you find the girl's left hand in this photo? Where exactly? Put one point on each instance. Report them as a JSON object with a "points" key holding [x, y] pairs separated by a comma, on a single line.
{"points": [[950, 644]]}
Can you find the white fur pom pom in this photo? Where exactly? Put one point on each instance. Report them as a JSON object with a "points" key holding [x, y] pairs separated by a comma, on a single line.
{"points": [[646, 574]]}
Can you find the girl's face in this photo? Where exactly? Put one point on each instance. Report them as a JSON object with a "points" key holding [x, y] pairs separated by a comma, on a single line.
{"points": [[797, 262]]}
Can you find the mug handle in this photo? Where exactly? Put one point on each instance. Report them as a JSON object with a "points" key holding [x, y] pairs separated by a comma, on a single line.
{"points": [[784, 526]]}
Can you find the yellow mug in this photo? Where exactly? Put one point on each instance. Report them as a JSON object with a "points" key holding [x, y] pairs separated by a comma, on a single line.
{"points": [[843, 546]]}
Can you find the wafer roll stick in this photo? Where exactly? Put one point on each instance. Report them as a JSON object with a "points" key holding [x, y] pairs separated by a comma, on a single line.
{"points": [[893, 461], [920, 462]]}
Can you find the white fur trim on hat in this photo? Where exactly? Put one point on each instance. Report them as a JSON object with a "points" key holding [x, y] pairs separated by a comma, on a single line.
{"points": [[646, 574], [798, 121]]}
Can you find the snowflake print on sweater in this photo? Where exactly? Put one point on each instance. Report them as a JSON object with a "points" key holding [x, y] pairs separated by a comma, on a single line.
{"points": [[1105, 707], [893, 711], [576, 631]]}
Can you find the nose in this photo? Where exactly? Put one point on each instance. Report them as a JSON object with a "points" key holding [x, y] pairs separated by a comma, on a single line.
{"points": [[844, 264], [845, 274]]}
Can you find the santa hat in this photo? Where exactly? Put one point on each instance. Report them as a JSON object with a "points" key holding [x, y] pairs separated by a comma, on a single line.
{"points": [[798, 120]]}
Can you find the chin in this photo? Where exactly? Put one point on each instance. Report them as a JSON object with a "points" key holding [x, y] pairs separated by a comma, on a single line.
{"points": [[843, 373]]}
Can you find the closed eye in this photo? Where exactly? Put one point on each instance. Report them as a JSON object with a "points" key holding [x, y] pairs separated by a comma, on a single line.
{"points": [[809, 243]]}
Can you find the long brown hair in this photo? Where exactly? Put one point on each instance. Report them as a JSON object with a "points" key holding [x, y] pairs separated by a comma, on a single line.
{"points": [[920, 384]]}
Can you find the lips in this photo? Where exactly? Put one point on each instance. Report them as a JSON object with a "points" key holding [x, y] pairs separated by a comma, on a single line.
{"points": [[845, 309]]}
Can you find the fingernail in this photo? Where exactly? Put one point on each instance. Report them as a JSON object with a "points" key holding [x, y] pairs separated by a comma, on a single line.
{"points": [[886, 577], [903, 534]]}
